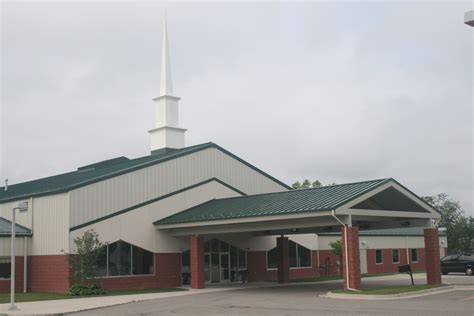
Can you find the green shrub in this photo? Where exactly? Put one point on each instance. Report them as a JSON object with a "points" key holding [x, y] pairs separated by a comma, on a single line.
{"points": [[85, 290]]}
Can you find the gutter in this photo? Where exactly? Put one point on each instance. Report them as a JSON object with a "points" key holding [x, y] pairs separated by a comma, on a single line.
{"points": [[333, 214]]}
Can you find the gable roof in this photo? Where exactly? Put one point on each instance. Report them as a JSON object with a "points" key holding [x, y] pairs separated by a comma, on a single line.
{"points": [[276, 203], [104, 170], [6, 229], [408, 231]]}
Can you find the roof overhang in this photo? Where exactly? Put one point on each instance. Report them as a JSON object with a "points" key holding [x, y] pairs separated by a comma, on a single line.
{"points": [[316, 221]]}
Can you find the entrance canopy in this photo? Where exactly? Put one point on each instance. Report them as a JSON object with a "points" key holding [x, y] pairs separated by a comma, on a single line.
{"points": [[369, 205]]}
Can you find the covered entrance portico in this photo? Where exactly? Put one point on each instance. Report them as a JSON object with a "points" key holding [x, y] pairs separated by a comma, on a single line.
{"points": [[347, 208]]}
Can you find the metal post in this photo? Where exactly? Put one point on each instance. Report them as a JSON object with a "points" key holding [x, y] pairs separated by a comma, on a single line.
{"points": [[12, 269]]}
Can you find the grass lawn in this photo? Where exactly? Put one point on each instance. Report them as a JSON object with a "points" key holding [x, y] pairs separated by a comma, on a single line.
{"points": [[390, 289], [338, 277], [34, 296]]}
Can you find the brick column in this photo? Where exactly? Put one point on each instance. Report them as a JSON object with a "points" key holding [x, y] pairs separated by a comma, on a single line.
{"points": [[197, 262], [353, 256], [283, 261], [432, 258]]}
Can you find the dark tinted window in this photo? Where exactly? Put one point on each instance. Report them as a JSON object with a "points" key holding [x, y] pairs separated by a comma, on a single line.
{"points": [[102, 262], [395, 256], [272, 258], [120, 260], [414, 255], [292, 254], [142, 261], [304, 256], [450, 257], [5, 268], [378, 256]]}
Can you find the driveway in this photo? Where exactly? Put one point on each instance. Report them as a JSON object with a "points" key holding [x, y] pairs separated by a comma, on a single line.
{"points": [[301, 299]]}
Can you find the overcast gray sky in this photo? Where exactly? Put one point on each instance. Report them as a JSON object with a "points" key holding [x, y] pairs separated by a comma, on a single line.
{"points": [[336, 91]]}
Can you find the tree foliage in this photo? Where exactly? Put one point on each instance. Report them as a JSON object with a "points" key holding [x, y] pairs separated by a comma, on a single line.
{"points": [[306, 184], [85, 263], [337, 248], [459, 227]]}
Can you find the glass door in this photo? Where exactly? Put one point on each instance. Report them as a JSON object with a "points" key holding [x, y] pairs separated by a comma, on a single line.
{"points": [[224, 267], [207, 268], [215, 268]]}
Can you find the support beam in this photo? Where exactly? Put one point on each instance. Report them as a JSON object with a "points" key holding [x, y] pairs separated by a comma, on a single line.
{"points": [[432, 257], [283, 260], [350, 258], [196, 246]]}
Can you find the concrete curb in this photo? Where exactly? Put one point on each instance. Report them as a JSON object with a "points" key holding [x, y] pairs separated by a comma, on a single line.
{"points": [[400, 296]]}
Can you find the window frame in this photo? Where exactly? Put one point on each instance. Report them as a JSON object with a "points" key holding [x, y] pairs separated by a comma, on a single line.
{"points": [[398, 256], [381, 256]]}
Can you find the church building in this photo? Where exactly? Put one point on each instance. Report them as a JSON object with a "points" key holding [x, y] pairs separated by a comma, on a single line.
{"points": [[201, 215]]}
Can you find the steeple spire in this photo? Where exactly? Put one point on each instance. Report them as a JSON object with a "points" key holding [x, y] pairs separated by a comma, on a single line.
{"points": [[167, 133], [166, 86]]}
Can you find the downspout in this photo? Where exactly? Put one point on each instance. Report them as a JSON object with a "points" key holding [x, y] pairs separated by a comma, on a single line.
{"points": [[25, 263], [333, 214]]}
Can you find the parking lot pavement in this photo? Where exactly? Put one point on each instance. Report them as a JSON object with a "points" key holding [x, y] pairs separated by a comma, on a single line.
{"points": [[458, 278], [295, 300]]}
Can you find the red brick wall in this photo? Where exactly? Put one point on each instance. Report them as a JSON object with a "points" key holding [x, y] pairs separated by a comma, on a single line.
{"points": [[51, 274], [5, 284], [167, 274], [257, 268], [48, 273], [388, 266], [328, 262]]}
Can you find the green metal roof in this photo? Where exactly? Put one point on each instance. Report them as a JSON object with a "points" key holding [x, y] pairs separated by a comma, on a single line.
{"points": [[103, 170], [408, 231], [277, 203], [6, 229]]}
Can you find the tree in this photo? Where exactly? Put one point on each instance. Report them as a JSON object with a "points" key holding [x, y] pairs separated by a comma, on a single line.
{"points": [[306, 184], [84, 265], [459, 227], [337, 250]]}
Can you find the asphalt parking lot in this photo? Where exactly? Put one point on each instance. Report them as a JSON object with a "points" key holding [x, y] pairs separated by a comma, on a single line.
{"points": [[301, 299]]}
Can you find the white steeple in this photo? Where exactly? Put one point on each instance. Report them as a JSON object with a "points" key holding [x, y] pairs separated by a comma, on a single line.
{"points": [[167, 133], [166, 86]]}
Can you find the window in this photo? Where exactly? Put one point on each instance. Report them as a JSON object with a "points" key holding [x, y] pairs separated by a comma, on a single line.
{"points": [[5, 268], [222, 256], [272, 258], [298, 256], [142, 261], [414, 255], [395, 256], [378, 256], [121, 259]]}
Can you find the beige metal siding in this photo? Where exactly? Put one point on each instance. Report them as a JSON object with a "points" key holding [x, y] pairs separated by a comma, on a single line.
{"points": [[50, 225], [5, 246], [115, 194], [136, 226], [23, 218], [383, 242]]}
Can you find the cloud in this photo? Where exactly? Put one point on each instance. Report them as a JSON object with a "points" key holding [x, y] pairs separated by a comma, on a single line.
{"points": [[334, 91]]}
